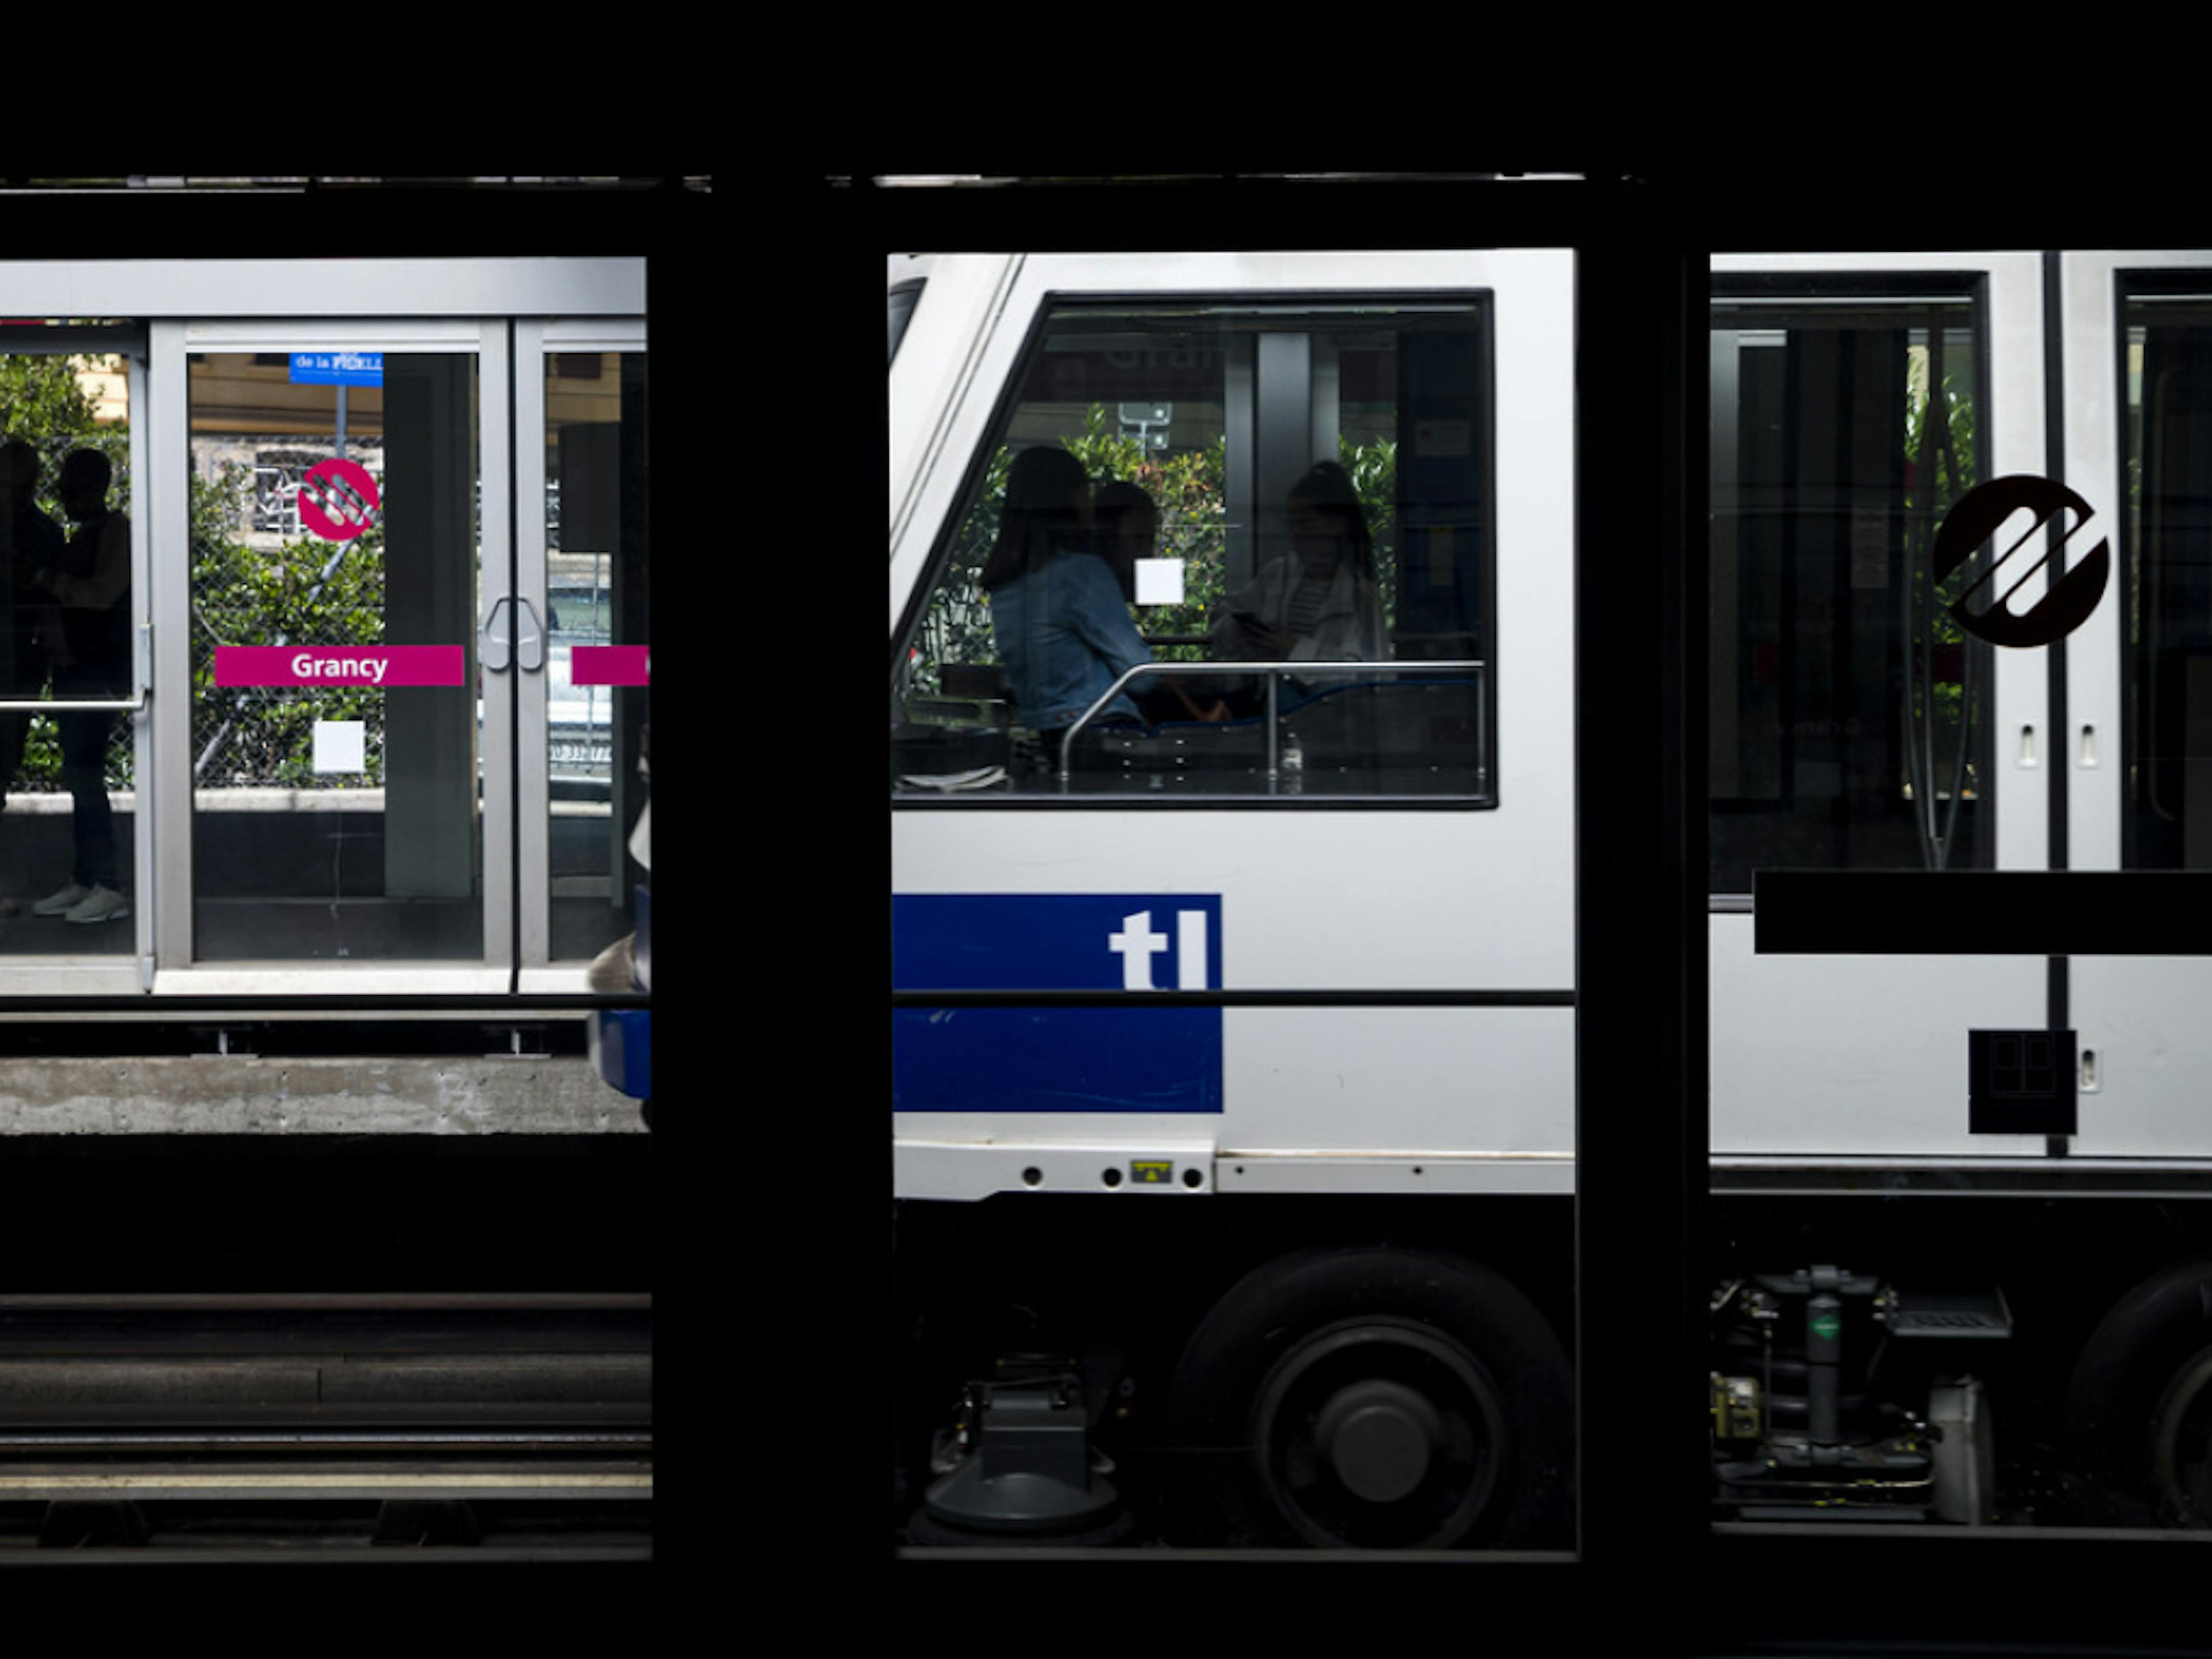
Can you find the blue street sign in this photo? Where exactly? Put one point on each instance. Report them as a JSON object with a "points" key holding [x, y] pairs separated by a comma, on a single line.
{"points": [[338, 368]]}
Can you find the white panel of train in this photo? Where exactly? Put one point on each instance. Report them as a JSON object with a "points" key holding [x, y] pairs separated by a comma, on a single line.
{"points": [[1234, 841], [1410, 831]]}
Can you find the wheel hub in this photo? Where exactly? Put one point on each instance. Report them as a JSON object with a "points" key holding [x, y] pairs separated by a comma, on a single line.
{"points": [[1378, 1433], [1379, 1438]]}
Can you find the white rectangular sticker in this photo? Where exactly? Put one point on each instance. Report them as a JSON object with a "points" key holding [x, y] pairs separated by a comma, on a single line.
{"points": [[1159, 581], [341, 746]]}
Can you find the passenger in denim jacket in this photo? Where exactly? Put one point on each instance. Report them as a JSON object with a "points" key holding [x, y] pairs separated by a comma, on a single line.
{"points": [[1061, 623]]}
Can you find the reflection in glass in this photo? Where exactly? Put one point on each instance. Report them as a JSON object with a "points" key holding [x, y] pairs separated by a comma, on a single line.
{"points": [[1284, 485], [334, 818], [68, 633], [2167, 565], [595, 594], [1850, 712]]}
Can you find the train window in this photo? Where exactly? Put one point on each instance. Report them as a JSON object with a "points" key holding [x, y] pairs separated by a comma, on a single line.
{"points": [[1851, 716], [2166, 340], [1287, 505]]}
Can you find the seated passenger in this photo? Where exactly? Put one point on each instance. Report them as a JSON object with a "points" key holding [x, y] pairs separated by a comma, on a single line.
{"points": [[1062, 627], [1318, 602], [1124, 528]]}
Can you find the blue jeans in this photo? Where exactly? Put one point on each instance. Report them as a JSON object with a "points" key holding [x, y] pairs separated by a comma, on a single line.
{"points": [[84, 771]]}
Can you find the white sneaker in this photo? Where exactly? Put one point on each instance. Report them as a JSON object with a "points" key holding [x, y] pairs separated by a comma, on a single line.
{"points": [[98, 905], [55, 904]]}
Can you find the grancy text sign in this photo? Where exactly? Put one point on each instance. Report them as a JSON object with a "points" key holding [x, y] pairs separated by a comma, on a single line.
{"points": [[380, 666]]}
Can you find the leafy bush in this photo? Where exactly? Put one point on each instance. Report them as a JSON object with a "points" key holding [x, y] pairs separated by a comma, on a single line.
{"points": [[43, 402], [304, 591], [1189, 490]]}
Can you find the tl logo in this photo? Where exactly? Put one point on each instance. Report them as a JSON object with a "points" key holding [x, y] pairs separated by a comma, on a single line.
{"points": [[1136, 943]]}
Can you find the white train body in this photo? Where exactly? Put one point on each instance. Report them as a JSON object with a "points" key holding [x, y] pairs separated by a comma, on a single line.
{"points": [[1260, 980], [1311, 1099]]}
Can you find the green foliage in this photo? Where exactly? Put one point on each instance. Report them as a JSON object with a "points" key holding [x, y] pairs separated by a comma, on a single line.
{"points": [[303, 591], [1374, 470], [242, 595], [41, 398], [43, 402], [957, 627], [1940, 464], [1189, 490]]}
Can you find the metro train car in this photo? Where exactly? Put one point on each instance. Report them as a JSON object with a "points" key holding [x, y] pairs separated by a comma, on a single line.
{"points": [[1234, 817]]}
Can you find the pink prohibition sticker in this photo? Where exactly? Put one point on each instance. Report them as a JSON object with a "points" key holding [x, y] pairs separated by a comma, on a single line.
{"points": [[338, 500], [379, 666]]}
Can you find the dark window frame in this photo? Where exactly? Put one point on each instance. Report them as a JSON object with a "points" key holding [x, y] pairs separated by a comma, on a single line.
{"points": [[1791, 293], [1057, 302]]}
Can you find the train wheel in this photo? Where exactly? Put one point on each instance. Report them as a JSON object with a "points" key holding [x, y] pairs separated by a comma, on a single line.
{"points": [[2181, 1445], [2139, 1405], [1379, 1398]]}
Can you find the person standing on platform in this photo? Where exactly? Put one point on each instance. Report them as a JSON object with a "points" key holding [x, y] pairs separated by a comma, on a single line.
{"points": [[29, 542], [93, 584]]}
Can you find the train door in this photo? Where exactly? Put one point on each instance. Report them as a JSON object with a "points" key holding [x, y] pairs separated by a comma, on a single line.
{"points": [[583, 574], [2137, 756], [416, 710], [1860, 718], [338, 752]]}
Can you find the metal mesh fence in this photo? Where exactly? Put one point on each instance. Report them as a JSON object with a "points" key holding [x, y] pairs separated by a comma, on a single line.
{"points": [[257, 580]]}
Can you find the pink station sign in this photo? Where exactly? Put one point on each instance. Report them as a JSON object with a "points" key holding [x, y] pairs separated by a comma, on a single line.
{"points": [[303, 666]]}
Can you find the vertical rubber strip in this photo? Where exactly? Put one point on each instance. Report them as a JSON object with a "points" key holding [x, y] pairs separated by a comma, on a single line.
{"points": [[515, 669], [2058, 1002]]}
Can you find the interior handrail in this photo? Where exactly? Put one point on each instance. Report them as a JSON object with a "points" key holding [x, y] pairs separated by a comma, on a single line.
{"points": [[1274, 673], [135, 704]]}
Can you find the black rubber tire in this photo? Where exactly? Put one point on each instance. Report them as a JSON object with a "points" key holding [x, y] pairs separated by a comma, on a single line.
{"points": [[925, 1531], [1416, 1338], [2121, 1387]]}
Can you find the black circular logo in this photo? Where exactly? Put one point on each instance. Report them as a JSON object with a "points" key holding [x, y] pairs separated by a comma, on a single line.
{"points": [[1976, 517]]}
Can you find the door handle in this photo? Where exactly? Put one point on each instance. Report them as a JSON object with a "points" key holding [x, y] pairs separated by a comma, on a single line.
{"points": [[529, 638], [492, 639], [512, 636]]}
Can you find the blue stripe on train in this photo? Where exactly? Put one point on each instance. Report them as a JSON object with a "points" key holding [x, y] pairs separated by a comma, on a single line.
{"points": [[1056, 1060], [1136, 1059], [1054, 941]]}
